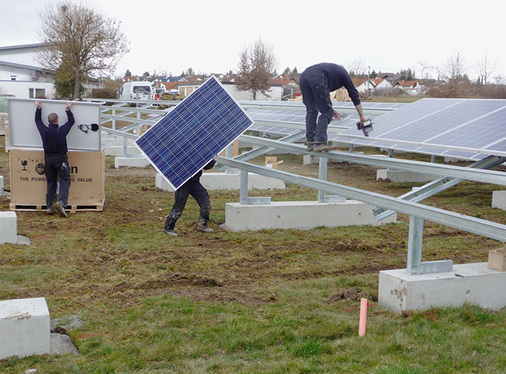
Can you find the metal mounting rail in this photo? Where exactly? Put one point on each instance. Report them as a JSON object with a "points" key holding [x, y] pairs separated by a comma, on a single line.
{"points": [[437, 186], [474, 225], [465, 173], [263, 150]]}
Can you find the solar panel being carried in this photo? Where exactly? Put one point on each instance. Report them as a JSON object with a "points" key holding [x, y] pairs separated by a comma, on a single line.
{"points": [[464, 128], [196, 130]]}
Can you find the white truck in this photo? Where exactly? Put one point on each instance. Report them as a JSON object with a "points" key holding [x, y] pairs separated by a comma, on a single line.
{"points": [[137, 91]]}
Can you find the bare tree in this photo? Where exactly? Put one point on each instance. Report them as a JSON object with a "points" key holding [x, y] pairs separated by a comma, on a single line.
{"points": [[454, 68], [257, 65], [357, 67], [453, 73], [80, 43], [425, 72], [485, 70]]}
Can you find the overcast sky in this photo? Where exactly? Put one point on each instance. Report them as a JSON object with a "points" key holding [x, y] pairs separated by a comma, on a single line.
{"points": [[209, 35]]}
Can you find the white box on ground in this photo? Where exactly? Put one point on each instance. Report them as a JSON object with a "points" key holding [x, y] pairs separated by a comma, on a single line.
{"points": [[24, 327], [224, 181], [138, 162], [8, 227], [499, 199], [475, 284], [302, 215], [400, 176]]}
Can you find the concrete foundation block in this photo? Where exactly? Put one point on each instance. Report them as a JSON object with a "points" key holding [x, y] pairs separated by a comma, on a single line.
{"points": [[138, 162], [1, 184], [404, 176], [224, 181], [475, 284], [8, 227], [499, 199], [310, 160], [24, 327], [119, 150], [302, 215]]}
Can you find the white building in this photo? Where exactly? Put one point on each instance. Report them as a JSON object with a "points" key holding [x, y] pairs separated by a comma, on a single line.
{"points": [[22, 76]]}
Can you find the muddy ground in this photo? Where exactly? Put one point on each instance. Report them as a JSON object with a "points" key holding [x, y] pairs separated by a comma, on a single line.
{"points": [[121, 256]]}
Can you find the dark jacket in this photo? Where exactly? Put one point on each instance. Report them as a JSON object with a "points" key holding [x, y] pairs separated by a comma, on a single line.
{"points": [[54, 137], [337, 77], [197, 176]]}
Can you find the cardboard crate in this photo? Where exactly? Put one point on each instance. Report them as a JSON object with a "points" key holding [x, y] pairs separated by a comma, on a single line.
{"points": [[28, 182], [272, 162], [234, 150], [497, 259]]}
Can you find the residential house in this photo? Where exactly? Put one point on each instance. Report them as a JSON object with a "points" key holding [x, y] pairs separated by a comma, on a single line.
{"points": [[412, 87], [363, 85], [21, 75], [381, 84]]}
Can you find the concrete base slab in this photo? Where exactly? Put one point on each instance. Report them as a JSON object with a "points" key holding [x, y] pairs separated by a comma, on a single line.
{"points": [[115, 150], [24, 327], [468, 283], [403, 176], [499, 199], [310, 160], [8, 227], [23, 240], [138, 162], [224, 181], [302, 215], [60, 344]]}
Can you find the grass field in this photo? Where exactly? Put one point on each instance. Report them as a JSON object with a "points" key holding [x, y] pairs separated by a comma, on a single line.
{"points": [[134, 300]]}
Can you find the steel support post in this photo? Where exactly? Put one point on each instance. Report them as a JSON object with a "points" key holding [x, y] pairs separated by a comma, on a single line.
{"points": [[415, 244], [243, 196], [322, 175]]}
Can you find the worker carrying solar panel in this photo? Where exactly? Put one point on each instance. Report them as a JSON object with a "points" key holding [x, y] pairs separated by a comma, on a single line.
{"points": [[194, 188], [316, 83]]}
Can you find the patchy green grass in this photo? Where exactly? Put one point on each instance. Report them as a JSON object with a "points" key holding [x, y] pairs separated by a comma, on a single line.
{"points": [[248, 302]]}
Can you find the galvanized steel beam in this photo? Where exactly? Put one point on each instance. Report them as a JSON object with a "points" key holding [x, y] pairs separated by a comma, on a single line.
{"points": [[462, 222]]}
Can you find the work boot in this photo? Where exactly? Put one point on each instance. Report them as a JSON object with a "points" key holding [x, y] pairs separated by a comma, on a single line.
{"points": [[170, 232], [322, 147], [206, 229], [310, 146], [51, 211], [60, 208]]}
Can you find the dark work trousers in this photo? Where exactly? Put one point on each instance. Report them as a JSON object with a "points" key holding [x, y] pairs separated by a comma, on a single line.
{"points": [[199, 193], [314, 87], [57, 166]]}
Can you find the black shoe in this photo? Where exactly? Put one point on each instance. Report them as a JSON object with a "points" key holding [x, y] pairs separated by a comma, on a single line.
{"points": [[170, 232], [205, 229], [60, 208]]}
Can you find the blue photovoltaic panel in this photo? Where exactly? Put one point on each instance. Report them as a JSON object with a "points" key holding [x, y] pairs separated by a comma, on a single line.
{"points": [[196, 130], [466, 128]]}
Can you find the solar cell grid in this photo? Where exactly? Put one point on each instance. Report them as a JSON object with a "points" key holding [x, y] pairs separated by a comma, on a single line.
{"points": [[475, 124], [190, 135]]}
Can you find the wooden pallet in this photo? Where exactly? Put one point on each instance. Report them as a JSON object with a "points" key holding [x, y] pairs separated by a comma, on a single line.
{"points": [[70, 208]]}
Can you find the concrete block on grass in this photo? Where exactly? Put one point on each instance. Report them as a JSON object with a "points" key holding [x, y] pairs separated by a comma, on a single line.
{"points": [[499, 199], [8, 227], [24, 327], [475, 284]]}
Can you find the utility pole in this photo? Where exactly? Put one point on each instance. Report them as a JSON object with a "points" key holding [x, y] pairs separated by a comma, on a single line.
{"points": [[368, 78]]}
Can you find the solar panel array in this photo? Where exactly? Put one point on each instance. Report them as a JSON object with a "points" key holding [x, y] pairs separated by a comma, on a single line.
{"points": [[196, 130], [464, 128], [288, 117]]}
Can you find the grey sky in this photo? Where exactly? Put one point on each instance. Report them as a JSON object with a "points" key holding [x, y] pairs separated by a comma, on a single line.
{"points": [[208, 36]]}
